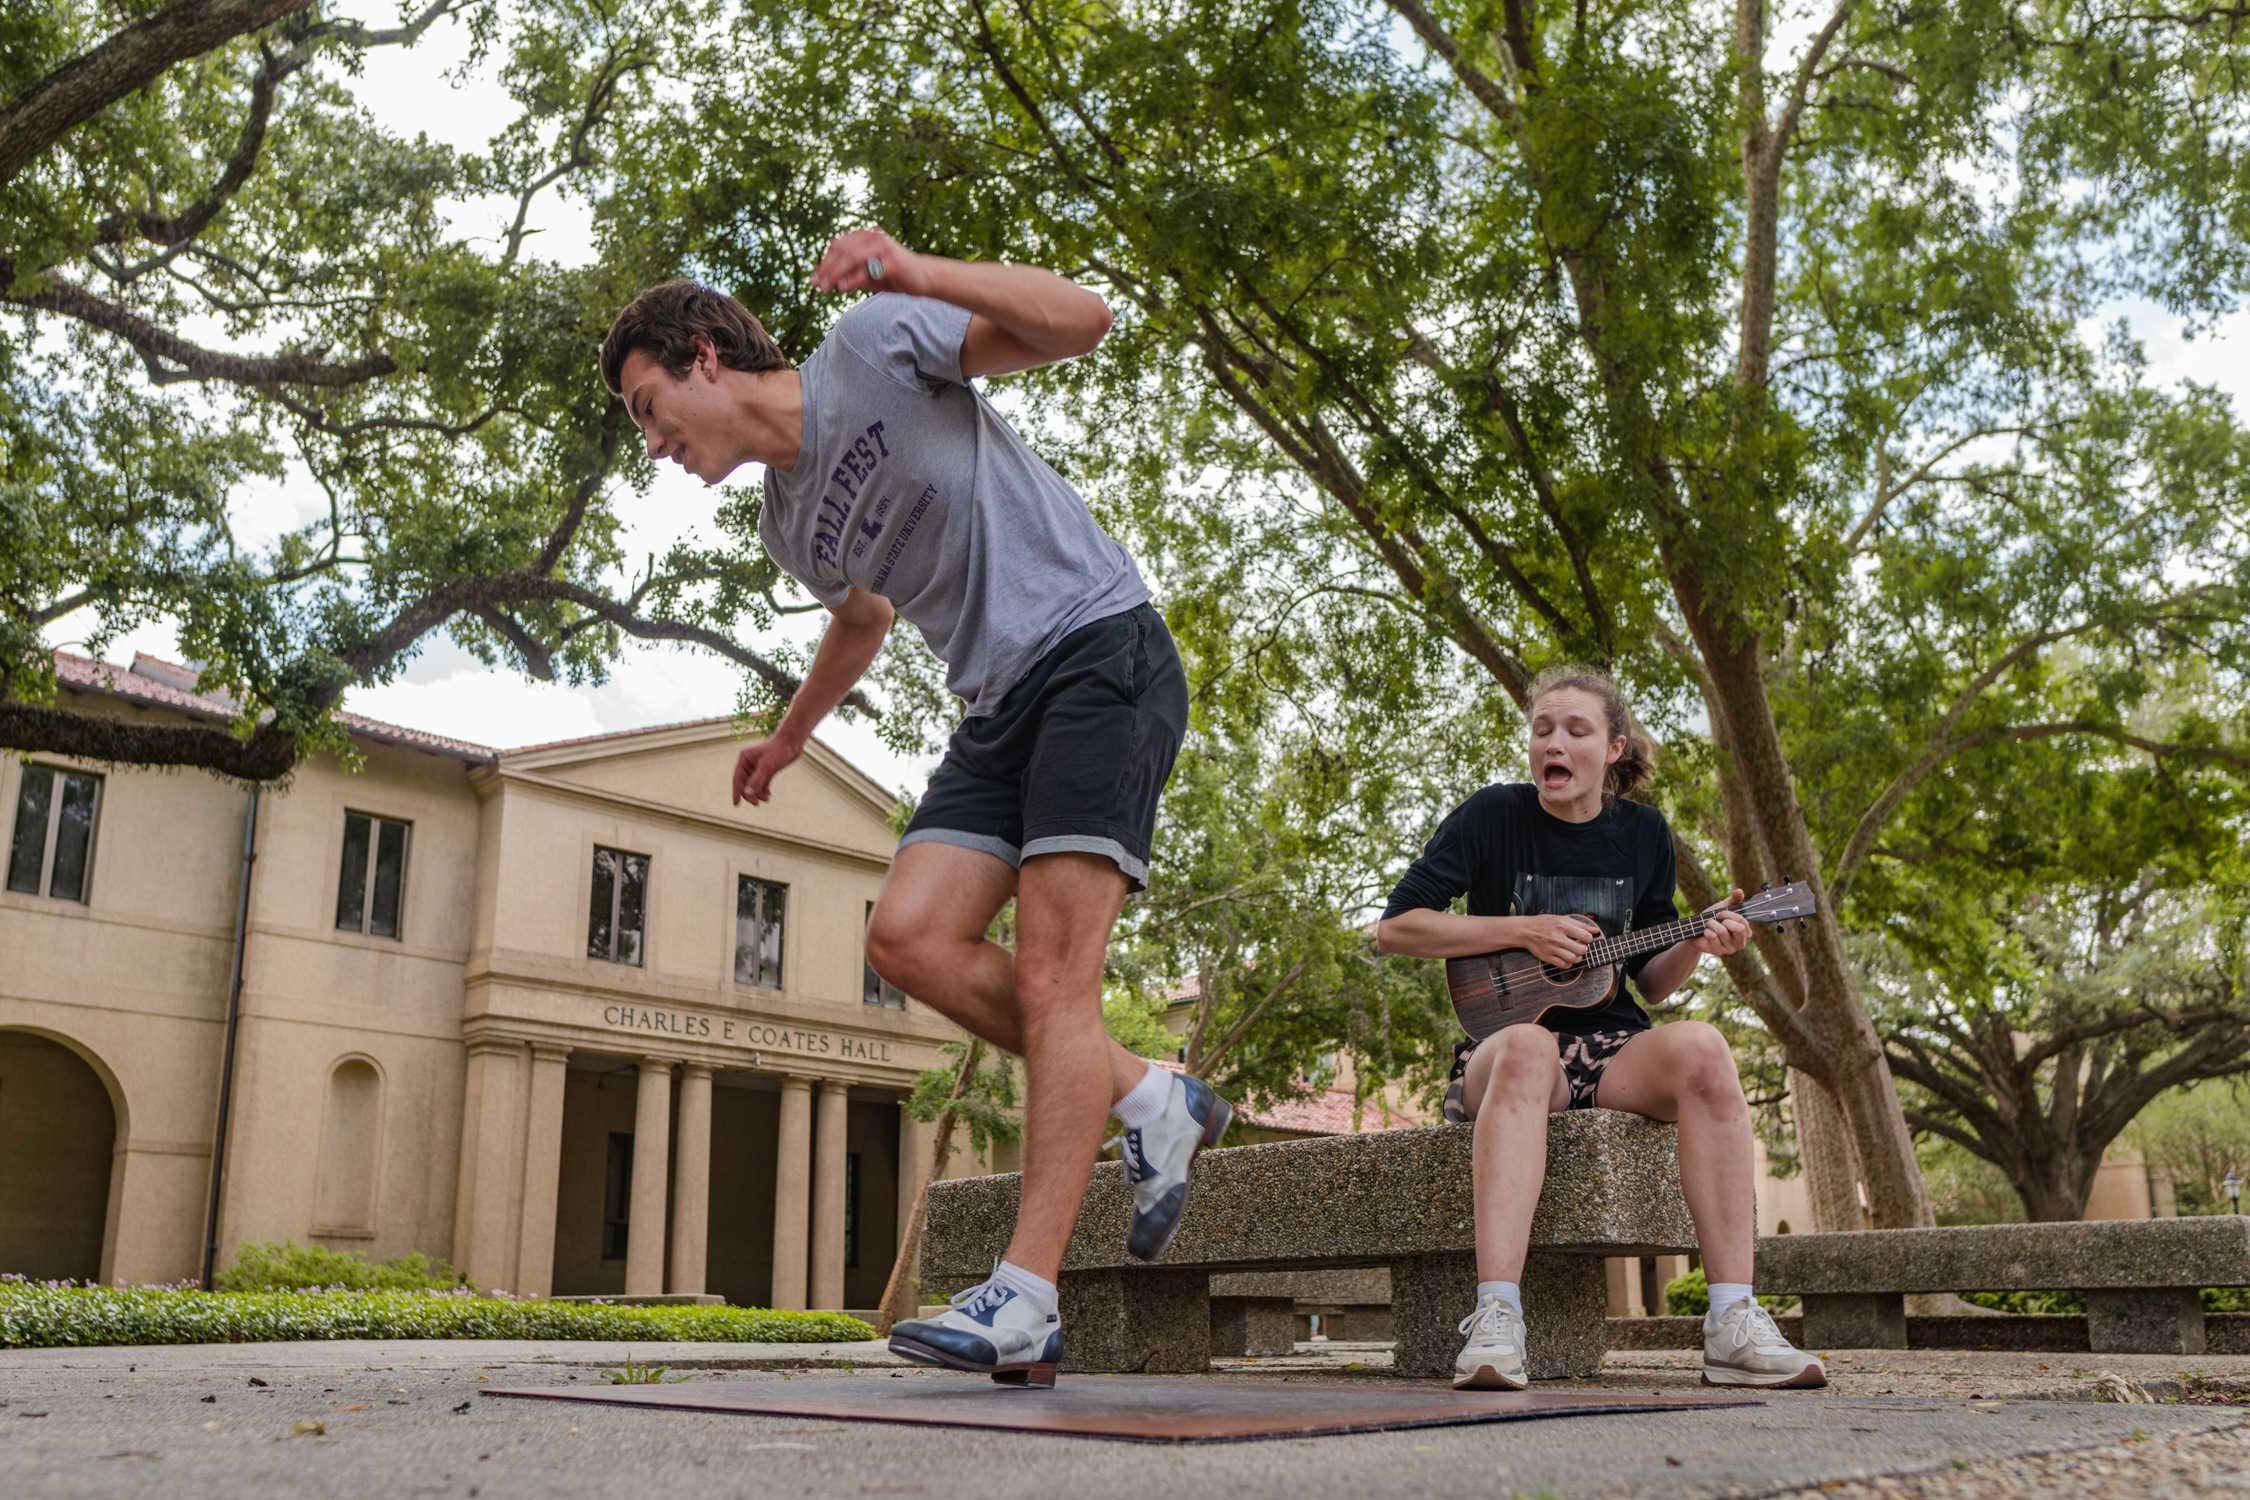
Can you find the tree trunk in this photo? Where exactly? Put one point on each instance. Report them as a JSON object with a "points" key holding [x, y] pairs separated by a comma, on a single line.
{"points": [[1835, 1036], [1830, 1161], [901, 1294], [2055, 1185], [1896, 1198]]}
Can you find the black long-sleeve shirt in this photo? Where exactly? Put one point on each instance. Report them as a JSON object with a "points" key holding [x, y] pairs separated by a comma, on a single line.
{"points": [[1502, 833]]}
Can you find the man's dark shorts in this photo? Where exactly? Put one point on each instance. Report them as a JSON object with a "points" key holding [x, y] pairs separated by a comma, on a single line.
{"points": [[1075, 757]]}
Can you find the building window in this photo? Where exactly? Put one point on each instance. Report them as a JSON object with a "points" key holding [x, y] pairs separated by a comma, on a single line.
{"points": [[619, 909], [52, 853], [874, 988], [851, 1210], [371, 888], [617, 1196], [759, 906]]}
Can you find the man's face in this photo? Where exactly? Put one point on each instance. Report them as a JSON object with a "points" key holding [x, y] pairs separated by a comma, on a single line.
{"points": [[685, 420]]}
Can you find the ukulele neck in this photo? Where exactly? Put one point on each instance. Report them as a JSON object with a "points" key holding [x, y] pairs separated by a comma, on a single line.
{"points": [[1609, 950]]}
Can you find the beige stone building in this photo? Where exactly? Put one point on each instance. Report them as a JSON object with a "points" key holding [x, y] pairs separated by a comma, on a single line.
{"points": [[561, 1014]]}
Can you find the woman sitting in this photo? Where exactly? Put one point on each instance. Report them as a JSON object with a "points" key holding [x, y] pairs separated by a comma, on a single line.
{"points": [[1549, 867]]}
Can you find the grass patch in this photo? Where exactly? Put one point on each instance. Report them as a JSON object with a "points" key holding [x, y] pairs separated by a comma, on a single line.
{"points": [[634, 1374], [44, 1315]]}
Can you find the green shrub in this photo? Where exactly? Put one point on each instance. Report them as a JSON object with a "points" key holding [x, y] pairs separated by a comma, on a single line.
{"points": [[2226, 1299], [1690, 1296], [36, 1315], [2038, 1304], [291, 1267]]}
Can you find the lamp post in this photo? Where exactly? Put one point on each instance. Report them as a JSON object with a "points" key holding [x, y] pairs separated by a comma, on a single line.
{"points": [[2232, 1187]]}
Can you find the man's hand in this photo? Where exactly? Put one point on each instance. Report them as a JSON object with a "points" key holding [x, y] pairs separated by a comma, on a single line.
{"points": [[1725, 933], [844, 265], [758, 764], [1559, 942]]}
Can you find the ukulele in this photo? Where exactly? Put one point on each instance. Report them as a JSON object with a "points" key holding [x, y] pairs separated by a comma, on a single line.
{"points": [[1492, 990]]}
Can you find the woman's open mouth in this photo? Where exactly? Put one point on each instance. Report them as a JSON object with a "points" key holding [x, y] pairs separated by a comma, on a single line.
{"points": [[1555, 775]]}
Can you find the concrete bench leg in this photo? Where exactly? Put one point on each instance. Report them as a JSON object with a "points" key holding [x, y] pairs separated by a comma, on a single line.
{"points": [[1137, 1322], [1304, 1328], [1566, 1307], [1254, 1326], [2166, 1320], [1856, 1320], [1370, 1324]]}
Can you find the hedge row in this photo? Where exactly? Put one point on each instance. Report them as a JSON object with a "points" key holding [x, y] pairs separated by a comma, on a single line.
{"points": [[291, 1267], [35, 1315]]}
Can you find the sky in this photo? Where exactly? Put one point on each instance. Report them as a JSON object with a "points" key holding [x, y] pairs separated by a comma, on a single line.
{"points": [[445, 691]]}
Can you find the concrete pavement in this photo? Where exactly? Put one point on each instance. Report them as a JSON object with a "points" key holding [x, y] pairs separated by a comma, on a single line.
{"points": [[399, 1419]]}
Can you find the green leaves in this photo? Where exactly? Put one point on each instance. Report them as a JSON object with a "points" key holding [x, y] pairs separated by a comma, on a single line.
{"points": [[239, 275]]}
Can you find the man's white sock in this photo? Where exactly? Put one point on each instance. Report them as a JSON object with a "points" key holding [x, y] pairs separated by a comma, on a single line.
{"points": [[1143, 1104], [1725, 1294], [1036, 1290], [1506, 1291]]}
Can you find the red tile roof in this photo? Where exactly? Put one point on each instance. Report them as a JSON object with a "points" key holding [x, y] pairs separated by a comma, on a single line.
{"points": [[166, 684], [618, 734]]}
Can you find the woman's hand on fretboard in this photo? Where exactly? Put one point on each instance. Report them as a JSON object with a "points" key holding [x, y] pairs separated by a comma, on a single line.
{"points": [[1724, 932]]}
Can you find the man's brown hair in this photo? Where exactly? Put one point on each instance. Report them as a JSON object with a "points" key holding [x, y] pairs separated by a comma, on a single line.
{"points": [[667, 319]]}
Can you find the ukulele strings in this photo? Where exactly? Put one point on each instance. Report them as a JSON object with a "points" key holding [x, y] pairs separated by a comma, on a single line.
{"points": [[1603, 952]]}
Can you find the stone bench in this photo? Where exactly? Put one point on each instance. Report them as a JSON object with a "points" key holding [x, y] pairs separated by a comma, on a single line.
{"points": [[2140, 1277], [1399, 1199]]}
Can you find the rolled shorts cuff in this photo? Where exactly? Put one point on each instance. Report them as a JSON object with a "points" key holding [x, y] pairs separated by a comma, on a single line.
{"points": [[1135, 868], [983, 843]]}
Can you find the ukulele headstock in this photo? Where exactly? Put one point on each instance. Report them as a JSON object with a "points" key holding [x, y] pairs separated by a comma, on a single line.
{"points": [[1784, 903]]}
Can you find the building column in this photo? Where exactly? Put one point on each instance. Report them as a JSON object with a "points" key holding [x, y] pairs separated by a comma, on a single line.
{"points": [[828, 1197], [485, 1201], [792, 1187], [652, 1160], [691, 1181], [542, 1171], [913, 1164]]}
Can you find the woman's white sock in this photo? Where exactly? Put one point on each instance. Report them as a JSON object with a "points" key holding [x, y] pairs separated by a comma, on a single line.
{"points": [[1505, 1291]]}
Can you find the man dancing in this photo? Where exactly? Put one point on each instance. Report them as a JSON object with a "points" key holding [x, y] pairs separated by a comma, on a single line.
{"points": [[892, 485]]}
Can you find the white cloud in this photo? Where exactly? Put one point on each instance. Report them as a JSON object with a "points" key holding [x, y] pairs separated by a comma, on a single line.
{"points": [[490, 708]]}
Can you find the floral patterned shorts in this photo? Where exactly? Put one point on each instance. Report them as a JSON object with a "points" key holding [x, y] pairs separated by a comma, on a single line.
{"points": [[1583, 1060]]}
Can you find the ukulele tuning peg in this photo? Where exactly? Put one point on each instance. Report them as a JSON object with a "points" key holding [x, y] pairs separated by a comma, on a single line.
{"points": [[1764, 886]]}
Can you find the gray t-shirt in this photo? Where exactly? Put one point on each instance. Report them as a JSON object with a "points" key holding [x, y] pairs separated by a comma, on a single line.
{"points": [[909, 485]]}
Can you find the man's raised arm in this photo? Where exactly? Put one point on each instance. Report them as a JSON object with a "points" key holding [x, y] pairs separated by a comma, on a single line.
{"points": [[1020, 317]]}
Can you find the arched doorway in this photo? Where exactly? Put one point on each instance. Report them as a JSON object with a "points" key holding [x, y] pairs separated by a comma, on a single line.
{"points": [[57, 1130]]}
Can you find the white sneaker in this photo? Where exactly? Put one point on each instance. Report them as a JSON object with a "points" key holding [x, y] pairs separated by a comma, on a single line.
{"points": [[1159, 1157], [1493, 1359], [989, 1330], [1741, 1346]]}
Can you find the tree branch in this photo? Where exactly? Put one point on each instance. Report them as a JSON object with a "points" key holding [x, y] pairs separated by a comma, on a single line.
{"points": [[1807, 67], [1940, 748], [266, 755], [187, 224], [536, 659], [613, 424], [1479, 83], [521, 586], [172, 360], [128, 60]]}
